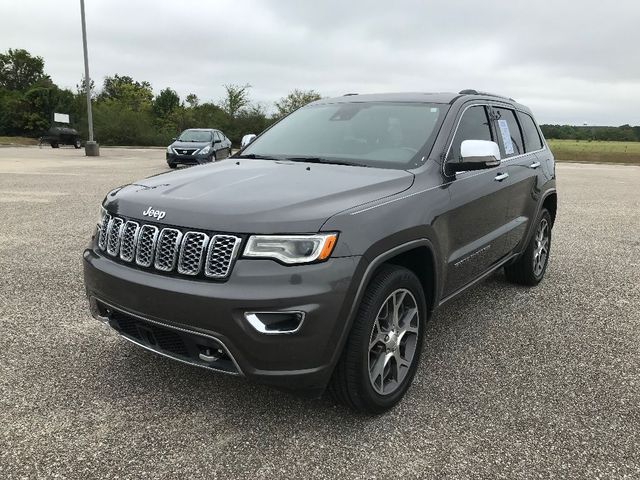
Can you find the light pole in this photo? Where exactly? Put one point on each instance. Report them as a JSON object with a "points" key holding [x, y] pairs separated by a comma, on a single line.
{"points": [[91, 148]]}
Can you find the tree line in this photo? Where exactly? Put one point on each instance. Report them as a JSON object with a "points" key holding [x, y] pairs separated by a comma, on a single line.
{"points": [[127, 112], [623, 133]]}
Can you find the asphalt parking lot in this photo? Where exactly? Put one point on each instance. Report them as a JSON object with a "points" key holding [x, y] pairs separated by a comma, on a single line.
{"points": [[514, 382]]}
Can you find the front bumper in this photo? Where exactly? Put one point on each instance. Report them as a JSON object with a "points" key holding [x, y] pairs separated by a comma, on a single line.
{"points": [[212, 314], [188, 159]]}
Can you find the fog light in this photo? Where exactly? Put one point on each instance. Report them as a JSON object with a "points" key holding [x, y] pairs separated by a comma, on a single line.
{"points": [[274, 323]]}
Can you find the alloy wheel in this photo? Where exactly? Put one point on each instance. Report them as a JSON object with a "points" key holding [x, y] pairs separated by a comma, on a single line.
{"points": [[541, 249], [393, 341]]}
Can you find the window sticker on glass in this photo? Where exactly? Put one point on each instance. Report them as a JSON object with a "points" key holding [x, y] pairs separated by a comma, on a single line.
{"points": [[506, 137]]}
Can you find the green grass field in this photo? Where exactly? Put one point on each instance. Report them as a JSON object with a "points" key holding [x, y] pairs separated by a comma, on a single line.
{"points": [[596, 151]]}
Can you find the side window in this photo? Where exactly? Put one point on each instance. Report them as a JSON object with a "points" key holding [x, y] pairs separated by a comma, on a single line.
{"points": [[216, 136], [532, 140], [509, 134], [474, 125]]}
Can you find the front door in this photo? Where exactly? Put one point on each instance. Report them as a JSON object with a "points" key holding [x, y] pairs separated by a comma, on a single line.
{"points": [[475, 223]]}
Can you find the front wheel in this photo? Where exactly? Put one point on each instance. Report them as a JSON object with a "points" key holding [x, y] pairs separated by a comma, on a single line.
{"points": [[530, 268], [382, 352]]}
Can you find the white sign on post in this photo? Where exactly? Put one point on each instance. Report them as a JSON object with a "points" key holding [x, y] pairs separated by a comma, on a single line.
{"points": [[61, 117]]}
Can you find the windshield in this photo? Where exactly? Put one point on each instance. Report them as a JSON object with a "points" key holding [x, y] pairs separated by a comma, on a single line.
{"points": [[195, 136], [382, 134]]}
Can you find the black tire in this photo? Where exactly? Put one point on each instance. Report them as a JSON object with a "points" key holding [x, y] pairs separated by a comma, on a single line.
{"points": [[77, 144], [213, 158], [524, 270], [171, 165], [351, 383], [55, 145]]}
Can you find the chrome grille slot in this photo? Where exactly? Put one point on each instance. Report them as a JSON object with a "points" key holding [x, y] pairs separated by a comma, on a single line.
{"points": [[193, 247], [146, 245], [104, 231], [113, 238], [222, 251], [128, 242], [167, 249]]}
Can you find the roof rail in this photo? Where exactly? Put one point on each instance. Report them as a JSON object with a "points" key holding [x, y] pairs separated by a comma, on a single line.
{"points": [[471, 91]]}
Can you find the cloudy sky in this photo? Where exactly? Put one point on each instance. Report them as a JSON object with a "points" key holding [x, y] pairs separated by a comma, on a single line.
{"points": [[571, 61]]}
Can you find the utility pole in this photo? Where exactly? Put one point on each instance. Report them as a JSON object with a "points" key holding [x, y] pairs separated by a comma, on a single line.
{"points": [[91, 148]]}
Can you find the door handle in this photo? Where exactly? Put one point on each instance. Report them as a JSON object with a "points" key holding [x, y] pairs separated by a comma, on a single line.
{"points": [[501, 176], [534, 165]]}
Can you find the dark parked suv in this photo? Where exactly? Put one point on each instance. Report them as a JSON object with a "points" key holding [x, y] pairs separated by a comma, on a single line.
{"points": [[314, 257], [198, 145]]}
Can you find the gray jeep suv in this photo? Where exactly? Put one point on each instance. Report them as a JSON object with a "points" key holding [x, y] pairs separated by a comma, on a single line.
{"points": [[316, 255], [198, 145]]}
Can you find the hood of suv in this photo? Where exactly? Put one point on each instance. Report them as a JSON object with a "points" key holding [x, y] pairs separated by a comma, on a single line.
{"points": [[188, 145], [256, 196]]}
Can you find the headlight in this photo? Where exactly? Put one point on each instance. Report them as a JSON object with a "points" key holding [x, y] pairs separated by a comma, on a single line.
{"points": [[205, 150], [170, 150], [291, 249]]}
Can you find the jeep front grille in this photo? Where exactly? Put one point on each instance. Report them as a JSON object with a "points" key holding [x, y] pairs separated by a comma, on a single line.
{"points": [[113, 237], [168, 249], [222, 250], [128, 241]]}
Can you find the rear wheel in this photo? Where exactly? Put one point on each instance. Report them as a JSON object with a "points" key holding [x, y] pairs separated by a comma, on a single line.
{"points": [[382, 352], [54, 145], [530, 268], [77, 144]]}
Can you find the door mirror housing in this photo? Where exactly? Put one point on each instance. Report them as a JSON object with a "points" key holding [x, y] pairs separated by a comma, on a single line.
{"points": [[247, 139], [476, 155], [217, 140]]}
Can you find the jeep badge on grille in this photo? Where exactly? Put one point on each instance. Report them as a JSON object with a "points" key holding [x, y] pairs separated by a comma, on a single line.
{"points": [[150, 212]]}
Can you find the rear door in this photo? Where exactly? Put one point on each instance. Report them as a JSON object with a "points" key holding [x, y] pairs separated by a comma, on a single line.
{"points": [[475, 225], [520, 143]]}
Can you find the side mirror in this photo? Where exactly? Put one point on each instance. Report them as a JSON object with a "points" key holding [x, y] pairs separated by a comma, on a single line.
{"points": [[217, 140], [173, 139], [476, 155], [247, 139]]}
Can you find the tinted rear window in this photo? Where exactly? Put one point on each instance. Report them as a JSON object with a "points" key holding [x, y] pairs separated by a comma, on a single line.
{"points": [[532, 140]]}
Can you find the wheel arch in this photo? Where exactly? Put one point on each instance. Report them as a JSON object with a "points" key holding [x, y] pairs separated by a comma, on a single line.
{"points": [[550, 202]]}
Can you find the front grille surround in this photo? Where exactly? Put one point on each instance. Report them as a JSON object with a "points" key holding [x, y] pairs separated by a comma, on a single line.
{"points": [[167, 249], [146, 245], [114, 236], [194, 245], [223, 249], [128, 241], [104, 231]]}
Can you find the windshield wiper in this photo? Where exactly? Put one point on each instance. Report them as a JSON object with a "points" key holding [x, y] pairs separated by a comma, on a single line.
{"points": [[324, 160], [256, 156]]}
